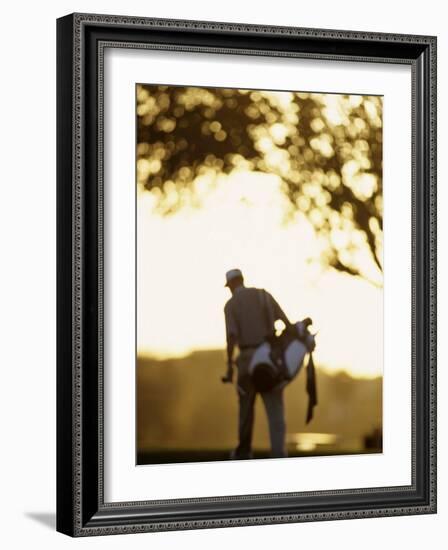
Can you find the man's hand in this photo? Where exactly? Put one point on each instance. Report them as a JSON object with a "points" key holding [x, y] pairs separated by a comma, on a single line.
{"points": [[228, 378]]}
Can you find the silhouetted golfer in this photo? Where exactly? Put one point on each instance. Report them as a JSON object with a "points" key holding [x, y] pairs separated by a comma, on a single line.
{"points": [[250, 315]]}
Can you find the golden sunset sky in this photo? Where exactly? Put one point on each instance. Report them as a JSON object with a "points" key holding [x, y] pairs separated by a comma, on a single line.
{"points": [[182, 259]]}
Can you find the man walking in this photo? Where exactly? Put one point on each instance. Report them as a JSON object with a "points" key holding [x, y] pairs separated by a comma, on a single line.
{"points": [[250, 315]]}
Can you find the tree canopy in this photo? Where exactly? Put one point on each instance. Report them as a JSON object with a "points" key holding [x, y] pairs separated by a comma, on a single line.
{"points": [[325, 148]]}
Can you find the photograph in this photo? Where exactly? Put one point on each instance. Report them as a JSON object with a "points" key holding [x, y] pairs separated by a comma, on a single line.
{"points": [[246, 274], [259, 274]]}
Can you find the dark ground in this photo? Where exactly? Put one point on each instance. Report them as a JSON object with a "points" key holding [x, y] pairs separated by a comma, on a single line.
{"points": [[189, 455]]}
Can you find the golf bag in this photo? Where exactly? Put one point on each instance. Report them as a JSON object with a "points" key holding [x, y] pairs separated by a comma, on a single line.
{"points": [[276, 362]]}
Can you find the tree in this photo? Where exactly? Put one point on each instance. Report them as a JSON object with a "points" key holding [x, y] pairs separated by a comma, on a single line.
{"points": [[327, 150]]}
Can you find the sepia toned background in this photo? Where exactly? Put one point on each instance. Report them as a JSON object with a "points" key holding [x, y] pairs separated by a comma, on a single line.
{"points": [[29, 516], [286, 186]]}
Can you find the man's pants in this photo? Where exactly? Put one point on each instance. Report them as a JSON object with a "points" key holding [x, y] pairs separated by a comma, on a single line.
{"points": [[273, 403]]}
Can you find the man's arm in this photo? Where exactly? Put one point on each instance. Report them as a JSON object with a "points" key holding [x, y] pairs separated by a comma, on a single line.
{"points": [[231, 335], [277, 311], [231, 343]]}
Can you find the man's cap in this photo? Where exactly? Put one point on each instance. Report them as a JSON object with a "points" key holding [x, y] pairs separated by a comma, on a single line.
{"points": [[232, 274]]}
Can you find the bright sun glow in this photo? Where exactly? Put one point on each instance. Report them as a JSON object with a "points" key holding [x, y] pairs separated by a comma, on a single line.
{"points": [[182, 259]]}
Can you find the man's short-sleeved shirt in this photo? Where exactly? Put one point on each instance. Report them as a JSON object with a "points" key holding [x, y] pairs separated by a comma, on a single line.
{"points": [[250, 315]]}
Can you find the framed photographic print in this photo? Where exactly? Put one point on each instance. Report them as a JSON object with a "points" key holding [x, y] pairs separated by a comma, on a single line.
{"points": [[246, 274]]}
